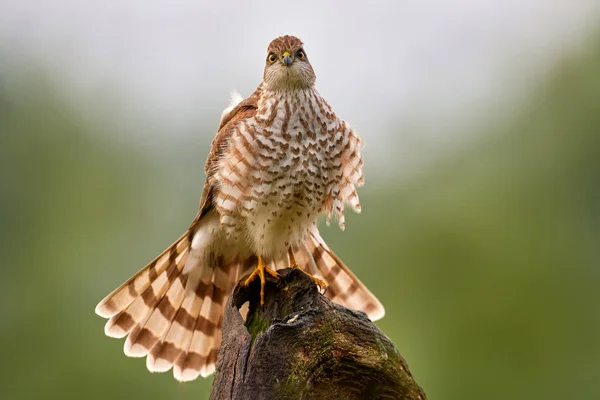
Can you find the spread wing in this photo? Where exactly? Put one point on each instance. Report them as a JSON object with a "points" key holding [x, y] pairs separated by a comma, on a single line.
{"points": [[243, 110]]}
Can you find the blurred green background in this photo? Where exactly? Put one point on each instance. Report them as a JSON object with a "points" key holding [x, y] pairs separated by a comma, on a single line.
{"points": [[487, 257]]}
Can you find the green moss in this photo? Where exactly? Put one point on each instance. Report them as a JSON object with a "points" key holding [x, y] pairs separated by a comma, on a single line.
{"points": [[308, 359], [256, 324]]}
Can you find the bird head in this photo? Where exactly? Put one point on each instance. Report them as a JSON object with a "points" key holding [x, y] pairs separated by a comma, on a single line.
{"points": [[287, 66]]}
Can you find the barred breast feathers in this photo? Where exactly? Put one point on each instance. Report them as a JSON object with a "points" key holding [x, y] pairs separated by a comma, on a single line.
{"points": [[293, 135]]}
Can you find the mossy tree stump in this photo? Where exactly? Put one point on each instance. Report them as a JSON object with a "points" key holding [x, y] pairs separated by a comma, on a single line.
{"points": [[300, 345]]}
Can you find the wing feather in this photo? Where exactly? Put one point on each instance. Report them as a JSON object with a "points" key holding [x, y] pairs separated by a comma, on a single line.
{"points": [[243, 110]]}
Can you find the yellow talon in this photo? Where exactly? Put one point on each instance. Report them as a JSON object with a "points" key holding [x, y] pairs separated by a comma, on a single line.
{"points": [[293, 264], [320, 283], [260, 270]]}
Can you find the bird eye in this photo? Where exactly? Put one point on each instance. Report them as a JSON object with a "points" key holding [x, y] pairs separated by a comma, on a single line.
{"points": [[300, 55], [272, 58]]}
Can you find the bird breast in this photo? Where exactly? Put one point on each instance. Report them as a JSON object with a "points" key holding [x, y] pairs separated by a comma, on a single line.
{"points": [[289, 163]]}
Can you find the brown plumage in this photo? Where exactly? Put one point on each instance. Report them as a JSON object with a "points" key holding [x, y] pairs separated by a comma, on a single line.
{"points": [[280, 158]]}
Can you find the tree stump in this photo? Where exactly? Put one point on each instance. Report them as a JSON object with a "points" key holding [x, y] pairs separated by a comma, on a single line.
{"points": [[300, 345]]}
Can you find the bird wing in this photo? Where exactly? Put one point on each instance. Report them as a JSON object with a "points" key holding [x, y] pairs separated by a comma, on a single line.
{"points": [[245, 109]]}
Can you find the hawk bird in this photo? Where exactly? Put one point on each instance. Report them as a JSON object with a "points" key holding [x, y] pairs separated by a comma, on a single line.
{"points": [[280, 159]]}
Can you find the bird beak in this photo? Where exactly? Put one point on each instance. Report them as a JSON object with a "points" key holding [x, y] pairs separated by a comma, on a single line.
{"points": [[287, 58]]}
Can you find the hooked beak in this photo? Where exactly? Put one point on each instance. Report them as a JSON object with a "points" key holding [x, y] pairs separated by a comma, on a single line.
{"points": [[287, 59]]}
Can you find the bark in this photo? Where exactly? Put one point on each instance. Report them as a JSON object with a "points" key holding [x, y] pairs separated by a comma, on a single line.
{"points": [[300, 345]]}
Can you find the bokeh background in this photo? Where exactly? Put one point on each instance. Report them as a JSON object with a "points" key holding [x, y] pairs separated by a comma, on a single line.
{"points": [[480, 229]]}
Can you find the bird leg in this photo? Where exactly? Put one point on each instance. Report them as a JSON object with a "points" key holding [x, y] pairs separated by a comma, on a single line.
{"points": [[293, 264], [260, 270]]}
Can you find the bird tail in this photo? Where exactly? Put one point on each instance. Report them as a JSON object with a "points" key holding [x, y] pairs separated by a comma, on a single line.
{"points": [[172, 309], [343, 286]]}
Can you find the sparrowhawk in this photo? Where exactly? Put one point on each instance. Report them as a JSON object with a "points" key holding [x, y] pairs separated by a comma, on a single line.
{"points": [[281, 158]]}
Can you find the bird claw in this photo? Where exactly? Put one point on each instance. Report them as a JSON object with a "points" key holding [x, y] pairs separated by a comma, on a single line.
{"points": [[321, 284], [294, 265]]}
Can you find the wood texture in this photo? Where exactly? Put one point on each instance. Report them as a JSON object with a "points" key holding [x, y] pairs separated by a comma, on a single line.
{"points": [[300, 345]]}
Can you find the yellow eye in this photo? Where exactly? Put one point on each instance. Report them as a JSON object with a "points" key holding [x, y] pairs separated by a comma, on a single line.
{"points": [[300, 55], [272, 58]]}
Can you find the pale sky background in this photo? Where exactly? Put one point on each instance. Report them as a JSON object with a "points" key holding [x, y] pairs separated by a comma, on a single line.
{"points": [[415, 78]]}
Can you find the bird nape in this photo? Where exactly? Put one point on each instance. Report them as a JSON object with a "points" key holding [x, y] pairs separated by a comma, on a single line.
{"points": [[280, 158]]}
